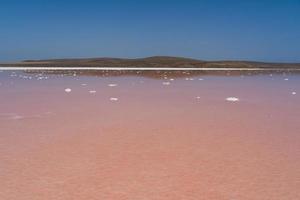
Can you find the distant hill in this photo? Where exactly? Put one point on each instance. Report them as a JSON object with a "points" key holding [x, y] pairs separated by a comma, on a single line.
{"points": [[151, 62]]}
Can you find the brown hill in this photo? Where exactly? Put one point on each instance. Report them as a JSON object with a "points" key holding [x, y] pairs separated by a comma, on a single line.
{"points": [[151, 62]]}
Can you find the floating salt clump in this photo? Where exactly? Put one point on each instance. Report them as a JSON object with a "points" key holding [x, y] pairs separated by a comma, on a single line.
{"points": [[286, 79], [42, 78], [114, 99], [93, 92], [16, 117], [84, 84], [232, 99], [189, 79], [200, 79], [172, 79], [112, 85], [11, 116], [68, 90], [294, 93], [166, 83], [198, 97]]}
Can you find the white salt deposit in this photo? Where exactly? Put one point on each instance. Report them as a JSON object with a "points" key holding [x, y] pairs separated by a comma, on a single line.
{"points": [[232, 99], [166, 83], [92, 91], [16, 117], [112, 85], [294, 93], [189, 79], [11, 116], [68, 90], [114, 99]]}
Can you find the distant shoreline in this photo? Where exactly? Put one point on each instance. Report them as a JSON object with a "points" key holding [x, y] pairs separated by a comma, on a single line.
{"points": [[143, 69], [149, 63]]}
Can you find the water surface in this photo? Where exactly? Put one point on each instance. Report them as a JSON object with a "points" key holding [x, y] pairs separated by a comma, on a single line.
{"points": [[149, 137]]}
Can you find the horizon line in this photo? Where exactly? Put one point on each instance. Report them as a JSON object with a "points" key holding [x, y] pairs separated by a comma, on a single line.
{"points": [[141, 69]]}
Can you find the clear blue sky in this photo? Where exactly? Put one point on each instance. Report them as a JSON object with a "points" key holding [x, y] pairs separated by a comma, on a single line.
{"points": [[265, 30]]}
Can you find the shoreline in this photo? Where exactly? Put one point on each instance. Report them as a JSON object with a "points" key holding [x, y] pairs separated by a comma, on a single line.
{"points": [[143, 69]]}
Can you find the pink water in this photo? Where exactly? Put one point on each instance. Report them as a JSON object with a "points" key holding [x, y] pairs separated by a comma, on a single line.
{"points": [[181, 140]]}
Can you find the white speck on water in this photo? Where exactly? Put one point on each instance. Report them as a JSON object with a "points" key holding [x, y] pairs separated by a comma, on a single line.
{"points": [[198, 97], [166, 83], [294, 93], [92, 91], [189, 79], [112, 85], [68, 90], [16, 117], [114, 99], [172, 79], [11, 116], [84, 84], [286, 79], [40, 77], [200, 79], [232, 99]]}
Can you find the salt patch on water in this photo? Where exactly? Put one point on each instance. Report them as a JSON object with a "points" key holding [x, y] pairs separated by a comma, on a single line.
{"points": [[189, 79], [42, 78], [198, 97], [166, 83], [84, 84], [114, 99], [294, 93], [286, 79], [112, 85], [92, 91], [68, 90], [232, 99], [11, 116]]}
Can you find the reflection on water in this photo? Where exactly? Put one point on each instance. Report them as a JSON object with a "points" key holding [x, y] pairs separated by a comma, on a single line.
{"points": [[149, 135]]}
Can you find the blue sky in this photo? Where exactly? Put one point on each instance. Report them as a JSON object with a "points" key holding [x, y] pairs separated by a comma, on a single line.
{"points": [[262, 30]]}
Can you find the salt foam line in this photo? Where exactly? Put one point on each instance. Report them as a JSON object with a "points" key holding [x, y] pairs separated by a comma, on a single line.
{"points": [[143, 69]]}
